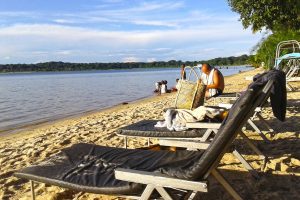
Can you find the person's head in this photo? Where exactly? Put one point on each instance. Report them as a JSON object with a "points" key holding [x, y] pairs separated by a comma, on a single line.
{"points": [[182, 66], [206, 68], [177, 79]]}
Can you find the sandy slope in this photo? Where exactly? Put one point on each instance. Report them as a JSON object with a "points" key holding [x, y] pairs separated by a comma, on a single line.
{"points": [[280, 179]]}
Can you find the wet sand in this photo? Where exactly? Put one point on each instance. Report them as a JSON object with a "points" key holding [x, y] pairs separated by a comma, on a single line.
{"points": [[279, 180]]}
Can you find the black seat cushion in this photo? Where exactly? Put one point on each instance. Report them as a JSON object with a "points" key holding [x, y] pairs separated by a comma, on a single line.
{"points": [[90, 168], [145, 128]]}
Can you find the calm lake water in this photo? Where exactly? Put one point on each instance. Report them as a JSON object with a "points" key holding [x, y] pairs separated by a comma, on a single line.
{"points": [[32, 98]]}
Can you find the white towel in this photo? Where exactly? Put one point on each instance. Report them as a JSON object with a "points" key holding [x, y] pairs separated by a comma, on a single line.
{"points": [[176, 119]]}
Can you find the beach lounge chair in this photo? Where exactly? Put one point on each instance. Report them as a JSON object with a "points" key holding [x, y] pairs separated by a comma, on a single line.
{"points": [[292, 58], [145, 128], [279, 100], [258, 114], [280, 80], [197, 137], [291, 69], [117, 171], [199, 133]]}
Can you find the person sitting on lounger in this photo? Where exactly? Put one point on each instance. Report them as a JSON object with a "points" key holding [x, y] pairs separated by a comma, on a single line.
{"points": [[213, 79]]}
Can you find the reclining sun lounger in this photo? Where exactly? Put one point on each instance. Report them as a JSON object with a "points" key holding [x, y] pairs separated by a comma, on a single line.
{"points": [[199, 132], [278, 101], [145, 128], [117, 171], [289, 51], [291, 69]]}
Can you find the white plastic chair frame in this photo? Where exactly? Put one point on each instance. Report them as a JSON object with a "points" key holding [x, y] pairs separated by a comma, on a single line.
{"points": [[293, 65], [284, 44]]}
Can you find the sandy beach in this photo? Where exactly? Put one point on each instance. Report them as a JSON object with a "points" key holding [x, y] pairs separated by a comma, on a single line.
{"points": [[279, 180]]}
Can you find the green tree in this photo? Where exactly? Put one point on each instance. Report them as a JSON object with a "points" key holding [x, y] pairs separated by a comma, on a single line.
{"points": [[273, 15], [265, 50]]}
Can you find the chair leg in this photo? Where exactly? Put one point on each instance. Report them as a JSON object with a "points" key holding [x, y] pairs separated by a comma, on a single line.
{"points": [[254, 148], [164, 194], [32, 190], [125, 142], [258, 130], [147, 192], [265, 122], [190, 195], [246, 164], [206, 135], [225, 184], [289, 87]]}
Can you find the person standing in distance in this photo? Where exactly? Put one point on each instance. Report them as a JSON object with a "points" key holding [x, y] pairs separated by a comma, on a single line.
{"points": [[182, 72]]}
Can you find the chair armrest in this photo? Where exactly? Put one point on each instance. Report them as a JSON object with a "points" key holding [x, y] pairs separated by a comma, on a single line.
{"points": [[190, 144], [203, 125], [225, 105], [158, 179]]}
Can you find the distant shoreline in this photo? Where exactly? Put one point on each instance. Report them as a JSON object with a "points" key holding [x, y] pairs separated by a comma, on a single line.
{"points": [[113, 69]]}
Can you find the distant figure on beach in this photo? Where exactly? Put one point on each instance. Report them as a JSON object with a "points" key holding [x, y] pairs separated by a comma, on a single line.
{"points": [[213, 79], [182, 72], [157, 88], [164, 88], [176, 87]]}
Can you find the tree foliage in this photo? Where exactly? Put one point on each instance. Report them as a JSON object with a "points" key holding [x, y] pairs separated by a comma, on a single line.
{"points": [[275, 15], [61, 66], [266, 48]]}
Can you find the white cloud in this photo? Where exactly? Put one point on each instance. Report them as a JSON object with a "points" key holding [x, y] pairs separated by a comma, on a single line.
{"points": [[112, 1], [120, 31], [64, 21], [130, 59], [64, 52], [155, 23], [155, 5], [58, 33], [151, 59], [241, 53], [17, 14], [52, 42]]}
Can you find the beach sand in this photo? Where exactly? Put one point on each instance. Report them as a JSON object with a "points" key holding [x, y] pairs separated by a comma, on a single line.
{"points": [[279, 180]]}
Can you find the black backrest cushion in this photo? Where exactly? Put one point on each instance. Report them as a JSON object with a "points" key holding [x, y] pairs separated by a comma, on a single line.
{"points": [[237, 117]]}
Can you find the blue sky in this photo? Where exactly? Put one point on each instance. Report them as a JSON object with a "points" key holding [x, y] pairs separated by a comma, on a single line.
{"points": [[34, 31]]}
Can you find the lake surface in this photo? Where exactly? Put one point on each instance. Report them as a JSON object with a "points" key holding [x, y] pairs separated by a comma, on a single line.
{"points": [[32, 98]]}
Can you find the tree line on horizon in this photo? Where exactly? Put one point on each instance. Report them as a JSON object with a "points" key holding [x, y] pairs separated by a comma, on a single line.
{"points": [[65, 66]]}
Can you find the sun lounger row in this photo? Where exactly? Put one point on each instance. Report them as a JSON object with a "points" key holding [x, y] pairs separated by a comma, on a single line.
{"points": [[151, 174]]}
